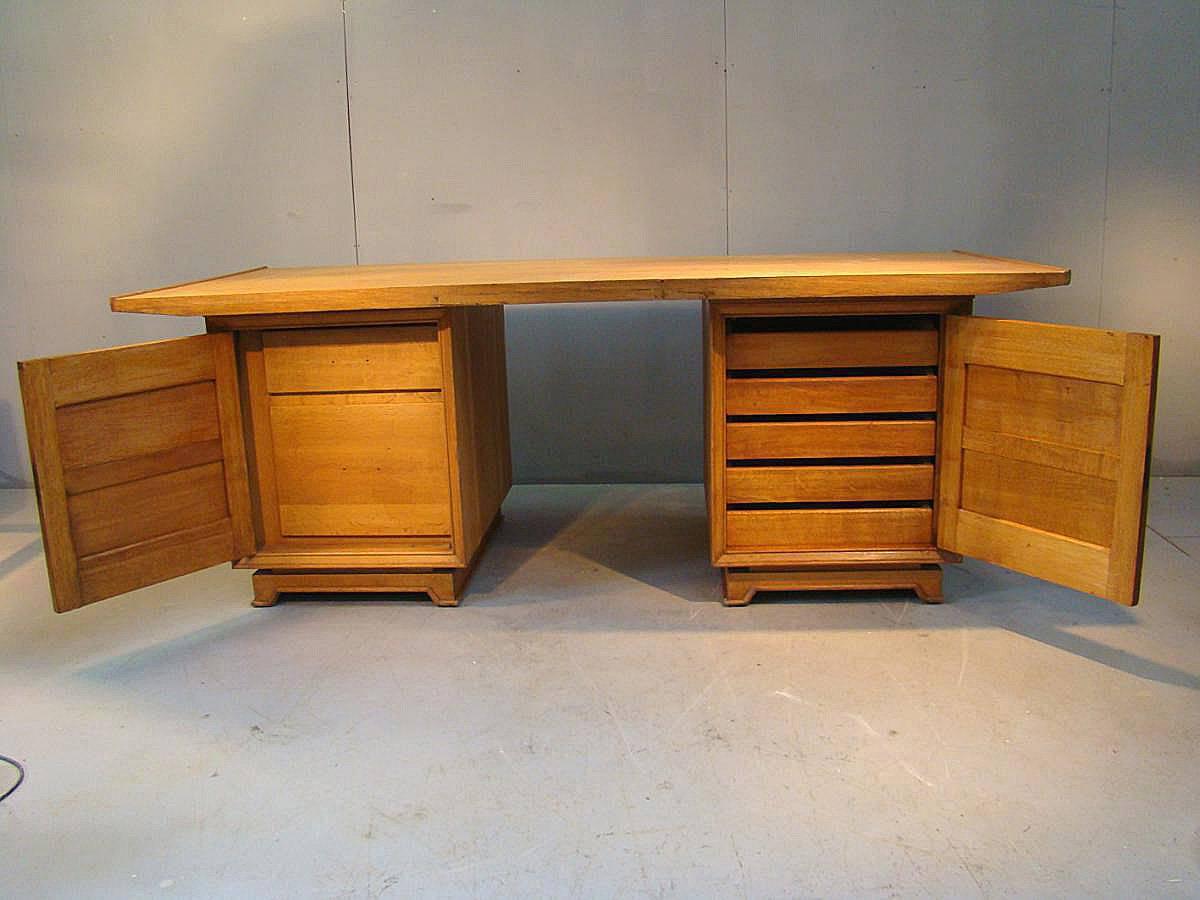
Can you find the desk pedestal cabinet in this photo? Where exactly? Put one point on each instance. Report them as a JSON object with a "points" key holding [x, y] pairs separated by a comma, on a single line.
{"points": [[345, 458], [861, 448], [347, 431]]}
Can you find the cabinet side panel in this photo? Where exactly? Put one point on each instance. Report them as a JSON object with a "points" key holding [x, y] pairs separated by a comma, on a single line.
{"points": [[1133, 485], [491, 398], [257, 430], [714, 423], [481, 394]]}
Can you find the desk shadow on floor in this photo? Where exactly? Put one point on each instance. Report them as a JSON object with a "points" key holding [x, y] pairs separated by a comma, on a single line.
{"points": [[657, 536], [25, 553]]}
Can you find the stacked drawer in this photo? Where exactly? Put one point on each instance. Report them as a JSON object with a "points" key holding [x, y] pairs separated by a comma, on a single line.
{"points": [[830, 432]]}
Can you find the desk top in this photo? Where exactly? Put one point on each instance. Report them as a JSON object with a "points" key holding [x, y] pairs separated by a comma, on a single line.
{"points": [[407, 286]]}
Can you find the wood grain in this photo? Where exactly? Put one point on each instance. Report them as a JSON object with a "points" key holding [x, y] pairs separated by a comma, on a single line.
{"points": [[830, 350], [333, 288], [1051, 499], [1054, 409], [1075, 564], [137, 477], [350, 473], [829, 529], [119, 471], [442, 586], [123, 514], [862, 394], [815, 440], [714, 426], [366, 464], [1057, 456], [41, 428], [823, 484], [1133, 474], [157, 559], [133, 369], [853, 558], [480, 435], [742, 586], [379, 358], [1082, 353], [1045, 433], [134, 425]]}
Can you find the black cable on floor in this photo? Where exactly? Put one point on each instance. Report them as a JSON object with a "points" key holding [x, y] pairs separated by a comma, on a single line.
{"points": [[20, 776]]}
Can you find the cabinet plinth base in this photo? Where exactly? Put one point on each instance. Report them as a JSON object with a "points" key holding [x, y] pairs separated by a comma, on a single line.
{"points": [[444, 586], [742, 584]]}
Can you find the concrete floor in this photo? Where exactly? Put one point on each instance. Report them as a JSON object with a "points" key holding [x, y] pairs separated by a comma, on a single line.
{"points": [[592, 722]]}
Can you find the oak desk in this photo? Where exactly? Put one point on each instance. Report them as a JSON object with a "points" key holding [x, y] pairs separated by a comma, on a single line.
{"points": [[346, 428]]}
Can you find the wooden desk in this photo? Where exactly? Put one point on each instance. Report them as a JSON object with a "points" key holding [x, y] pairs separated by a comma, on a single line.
{"points": [[346, 429]]}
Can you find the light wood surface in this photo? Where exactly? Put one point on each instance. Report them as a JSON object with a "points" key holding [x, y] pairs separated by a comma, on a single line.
{"points": [[834, 483], [823, 349], [361, 464], [1044, 439], [377, 446], [860, 394], [797, 461], [858, 557], [828, 528], [479, 421], [345, 452], [268, 290], [850, 418], [139, 464], [442, 586], [382, 358], [815, 440]]}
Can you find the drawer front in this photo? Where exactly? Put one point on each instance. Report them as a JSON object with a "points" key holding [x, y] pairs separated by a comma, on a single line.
{"points": [[831, 349], [373, 358], [361, 465], [869, 394], [828, 484], [814, 440], [828, 529]]}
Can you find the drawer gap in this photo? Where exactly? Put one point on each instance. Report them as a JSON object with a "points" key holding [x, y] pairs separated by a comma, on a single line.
{"points": [[838, 504], [847, 372], [766, 324], [837, 417], [831, 461], [340, 393]]}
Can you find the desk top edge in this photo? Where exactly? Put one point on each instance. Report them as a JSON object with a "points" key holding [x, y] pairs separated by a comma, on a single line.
{"points": [[481, 283]]}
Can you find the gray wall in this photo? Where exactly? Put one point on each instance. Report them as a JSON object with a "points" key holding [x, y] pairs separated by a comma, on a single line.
{"points": [[147, 143]]}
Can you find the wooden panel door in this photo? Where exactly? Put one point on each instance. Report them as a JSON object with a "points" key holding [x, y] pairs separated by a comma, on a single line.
{"points": [[370, 464], [139, 464], [1045, 437], [351, 441]]}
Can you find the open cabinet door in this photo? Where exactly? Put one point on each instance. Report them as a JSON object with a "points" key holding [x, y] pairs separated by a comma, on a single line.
{"points": [[139, 464], [1045, 436]]}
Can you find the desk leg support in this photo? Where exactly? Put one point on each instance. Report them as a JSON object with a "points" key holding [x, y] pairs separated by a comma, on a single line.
{"points": [[443, 586], [741, 585]]}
